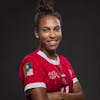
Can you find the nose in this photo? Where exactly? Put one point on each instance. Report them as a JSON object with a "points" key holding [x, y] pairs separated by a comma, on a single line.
{"points": [[52, 34]]}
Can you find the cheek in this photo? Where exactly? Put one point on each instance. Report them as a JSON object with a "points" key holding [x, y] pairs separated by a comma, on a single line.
{"points": [[60, 36], [43, 37]]}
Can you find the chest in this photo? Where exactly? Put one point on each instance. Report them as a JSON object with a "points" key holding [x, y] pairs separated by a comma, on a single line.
{"points": [[55, 76]]}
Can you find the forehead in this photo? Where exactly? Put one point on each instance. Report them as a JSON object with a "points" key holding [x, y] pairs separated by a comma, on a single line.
{"points": [[49, 21]]}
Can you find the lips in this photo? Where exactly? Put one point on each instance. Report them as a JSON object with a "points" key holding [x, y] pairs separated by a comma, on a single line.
{"points": [[52, 42]]}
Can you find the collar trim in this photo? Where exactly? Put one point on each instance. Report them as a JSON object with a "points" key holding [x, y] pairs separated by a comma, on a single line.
{"points": [[54, 62]]}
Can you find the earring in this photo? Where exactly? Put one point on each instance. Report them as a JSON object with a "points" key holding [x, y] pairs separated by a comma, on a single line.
{"points": [[37, 36]]}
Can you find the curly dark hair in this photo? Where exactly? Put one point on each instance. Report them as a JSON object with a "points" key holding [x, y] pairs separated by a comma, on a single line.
{"points": [[45, 8]]}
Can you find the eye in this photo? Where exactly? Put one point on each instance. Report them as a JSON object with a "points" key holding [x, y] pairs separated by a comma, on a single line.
{"points": [[57, 29], [45, 30]]}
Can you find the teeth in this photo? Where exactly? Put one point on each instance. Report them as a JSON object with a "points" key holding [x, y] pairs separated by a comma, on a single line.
{"points": [[52, 42]]}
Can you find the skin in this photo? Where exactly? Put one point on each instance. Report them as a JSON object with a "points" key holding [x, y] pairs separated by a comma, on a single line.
{"points": [[50, 35]]}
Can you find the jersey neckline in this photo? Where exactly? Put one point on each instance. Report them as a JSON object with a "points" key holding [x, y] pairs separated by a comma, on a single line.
{"points": [[51, 61]]}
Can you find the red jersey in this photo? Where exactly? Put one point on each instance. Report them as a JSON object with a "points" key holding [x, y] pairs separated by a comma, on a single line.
{"points": [[37, 70]]}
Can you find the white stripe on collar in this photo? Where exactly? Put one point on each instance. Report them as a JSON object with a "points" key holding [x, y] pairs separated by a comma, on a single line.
{"points": [[54, 62]]}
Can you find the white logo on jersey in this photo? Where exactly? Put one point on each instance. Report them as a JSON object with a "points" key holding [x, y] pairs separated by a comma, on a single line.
{"points": [[70, 71], [53, 75], [65, 89]]}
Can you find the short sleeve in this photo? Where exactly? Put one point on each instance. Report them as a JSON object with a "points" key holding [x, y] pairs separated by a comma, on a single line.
{"points": [[30, 74], [71, 71]]}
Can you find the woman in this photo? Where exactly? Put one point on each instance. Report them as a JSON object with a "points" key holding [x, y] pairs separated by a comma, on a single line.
{"points": [[45, 74]]}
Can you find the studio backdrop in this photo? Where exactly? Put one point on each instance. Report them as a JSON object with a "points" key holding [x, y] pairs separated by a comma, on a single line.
{"points": [[81, 43]]}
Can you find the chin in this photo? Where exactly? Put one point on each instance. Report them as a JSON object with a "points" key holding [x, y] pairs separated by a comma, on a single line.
{"points": [[52, 48]]}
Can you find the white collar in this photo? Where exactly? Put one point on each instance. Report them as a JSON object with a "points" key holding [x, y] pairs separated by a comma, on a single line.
{"points": [[54, 62]]}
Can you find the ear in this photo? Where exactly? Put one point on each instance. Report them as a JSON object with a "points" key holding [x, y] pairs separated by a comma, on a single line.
{"points": [[36, 34]]}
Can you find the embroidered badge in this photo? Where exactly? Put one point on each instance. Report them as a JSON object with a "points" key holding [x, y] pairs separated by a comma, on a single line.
{"points": [[28, 69]]}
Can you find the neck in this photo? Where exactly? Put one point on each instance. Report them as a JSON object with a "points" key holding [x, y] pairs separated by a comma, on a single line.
{"points": [[50, 54]]}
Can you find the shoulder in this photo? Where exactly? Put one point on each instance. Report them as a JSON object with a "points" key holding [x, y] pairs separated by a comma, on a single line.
{"points": [[64, 58], [29, 61], [31, 57]]}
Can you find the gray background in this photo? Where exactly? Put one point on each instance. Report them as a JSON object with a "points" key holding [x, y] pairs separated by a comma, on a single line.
{"points": [[80, 43]]}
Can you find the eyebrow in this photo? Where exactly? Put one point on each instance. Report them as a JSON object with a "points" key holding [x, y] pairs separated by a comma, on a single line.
{"points": [[54, 27], [57, 26]]}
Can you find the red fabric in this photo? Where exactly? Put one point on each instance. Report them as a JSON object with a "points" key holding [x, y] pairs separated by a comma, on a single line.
{"points": [[45, 72]]}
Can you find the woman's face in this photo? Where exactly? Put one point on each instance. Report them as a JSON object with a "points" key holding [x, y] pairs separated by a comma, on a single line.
{"points": [[49, 33]]}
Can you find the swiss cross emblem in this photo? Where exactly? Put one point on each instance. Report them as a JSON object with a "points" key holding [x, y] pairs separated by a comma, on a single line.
{"points": [[53, 75]]}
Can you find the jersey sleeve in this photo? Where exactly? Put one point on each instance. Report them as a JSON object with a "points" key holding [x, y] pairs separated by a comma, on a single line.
{"points": [[71, 71], [31, 75]]}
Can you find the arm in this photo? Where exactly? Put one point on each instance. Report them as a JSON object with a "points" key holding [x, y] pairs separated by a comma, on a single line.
{"points": [[38, 94], [76, 95]]}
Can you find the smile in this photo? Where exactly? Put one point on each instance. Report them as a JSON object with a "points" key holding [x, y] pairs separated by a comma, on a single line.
{"points": [[52, 42]]}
